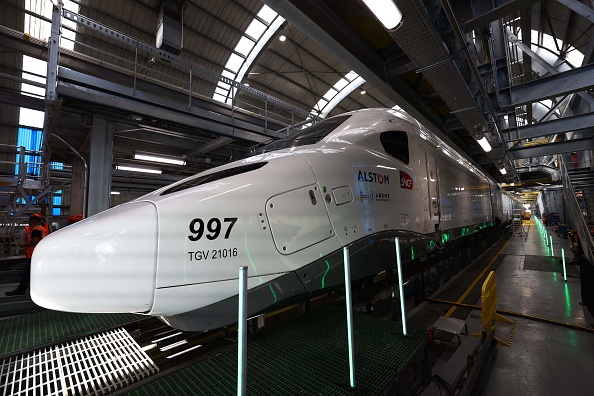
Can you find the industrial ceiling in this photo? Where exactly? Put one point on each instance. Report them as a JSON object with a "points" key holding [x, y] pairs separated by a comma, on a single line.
{"points": [[465, 69]]}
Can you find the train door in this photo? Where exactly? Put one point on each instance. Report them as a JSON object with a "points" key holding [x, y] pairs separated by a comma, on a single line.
{"points": [[432, 185]]}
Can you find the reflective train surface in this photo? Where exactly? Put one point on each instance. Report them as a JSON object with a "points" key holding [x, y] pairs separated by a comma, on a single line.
{"points": [[359, 179]]}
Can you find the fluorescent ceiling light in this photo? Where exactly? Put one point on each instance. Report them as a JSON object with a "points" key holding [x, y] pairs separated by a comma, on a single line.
{"points": [[166, 159], [386, 11], [484, 144], [503, 171], [134, 168], [115, 193]]}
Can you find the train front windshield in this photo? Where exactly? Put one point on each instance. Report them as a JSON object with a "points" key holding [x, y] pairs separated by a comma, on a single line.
{"points": [[310, 135]]}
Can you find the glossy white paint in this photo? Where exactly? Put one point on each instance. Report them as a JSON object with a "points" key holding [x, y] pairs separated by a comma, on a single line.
{"points": [[178, 252], [106, 263], [176, 300]]}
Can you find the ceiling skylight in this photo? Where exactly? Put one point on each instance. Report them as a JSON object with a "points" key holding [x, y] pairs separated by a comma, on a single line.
{"points": [[259, 31], [337, 93]]}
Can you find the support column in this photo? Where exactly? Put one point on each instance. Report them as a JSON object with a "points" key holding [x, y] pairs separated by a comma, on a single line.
{"points": [[52, 104], [101, 157], [77, 196]]}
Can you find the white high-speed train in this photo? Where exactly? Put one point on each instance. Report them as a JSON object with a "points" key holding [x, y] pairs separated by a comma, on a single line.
{"points": [[358, 179]]}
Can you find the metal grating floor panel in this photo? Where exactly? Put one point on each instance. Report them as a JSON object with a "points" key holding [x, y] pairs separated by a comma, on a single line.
{"points": [[27, 331], [95, 365], [308, 356]]}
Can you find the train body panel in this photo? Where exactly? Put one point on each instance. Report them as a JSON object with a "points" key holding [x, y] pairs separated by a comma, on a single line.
{"points": [[89, 266], [358, 179], [465, 197], [171, 301], [208, 230], [382, 191]]}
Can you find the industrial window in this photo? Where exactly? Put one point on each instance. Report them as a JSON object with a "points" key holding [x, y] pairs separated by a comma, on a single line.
{"points": [[396, 144], [57, 203], [30, 139]]}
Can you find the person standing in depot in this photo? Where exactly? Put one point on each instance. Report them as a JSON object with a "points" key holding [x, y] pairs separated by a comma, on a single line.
{"points": [[74, 219], [46, 227], [33, 233]]}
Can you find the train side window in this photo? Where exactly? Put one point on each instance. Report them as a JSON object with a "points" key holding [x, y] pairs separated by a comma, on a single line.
{"points": [[211, 177], [396, 144]]}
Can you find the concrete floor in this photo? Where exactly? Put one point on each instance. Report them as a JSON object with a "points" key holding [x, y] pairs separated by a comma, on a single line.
{"points": [[544, 359]]}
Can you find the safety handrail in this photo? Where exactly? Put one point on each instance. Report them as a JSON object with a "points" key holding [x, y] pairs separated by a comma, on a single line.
{"points": [[577, 216]]}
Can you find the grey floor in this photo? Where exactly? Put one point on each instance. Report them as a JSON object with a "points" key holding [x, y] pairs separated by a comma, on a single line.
{"points": [[543, 359]]}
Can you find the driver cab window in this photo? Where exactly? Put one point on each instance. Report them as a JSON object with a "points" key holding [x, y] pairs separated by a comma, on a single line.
{"points": [[396, 144]]}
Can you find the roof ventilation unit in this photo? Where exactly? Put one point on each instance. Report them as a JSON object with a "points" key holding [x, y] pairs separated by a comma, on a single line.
{"points": [[169, 27]]}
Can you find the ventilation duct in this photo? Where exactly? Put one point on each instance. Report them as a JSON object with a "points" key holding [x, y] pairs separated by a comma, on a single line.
{"points": [[169, 27]]}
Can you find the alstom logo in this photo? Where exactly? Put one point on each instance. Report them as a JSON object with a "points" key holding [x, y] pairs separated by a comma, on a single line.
{"points": [[372, 177], [406, 181]]}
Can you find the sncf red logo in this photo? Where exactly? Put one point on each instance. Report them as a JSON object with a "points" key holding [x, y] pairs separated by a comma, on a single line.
{"points": [[406, 181]]}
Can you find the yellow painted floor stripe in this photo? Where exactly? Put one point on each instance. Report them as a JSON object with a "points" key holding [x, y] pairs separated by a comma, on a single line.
{"points": [[463, 296], [512, 332]]}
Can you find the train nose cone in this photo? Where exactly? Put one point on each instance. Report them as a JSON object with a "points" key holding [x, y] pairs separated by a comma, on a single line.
{"points": [[106, 263]]}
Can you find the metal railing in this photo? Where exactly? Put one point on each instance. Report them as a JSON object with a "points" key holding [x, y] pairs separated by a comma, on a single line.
{"points": [[146, 62], [575, 213]]}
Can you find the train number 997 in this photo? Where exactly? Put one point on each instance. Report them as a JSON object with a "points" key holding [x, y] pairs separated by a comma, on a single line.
{"points": [[213, 228]]}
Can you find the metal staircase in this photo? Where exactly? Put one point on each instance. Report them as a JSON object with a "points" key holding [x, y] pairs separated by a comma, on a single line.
{"points": [[578, 181], [582, 181], [22, 192]]}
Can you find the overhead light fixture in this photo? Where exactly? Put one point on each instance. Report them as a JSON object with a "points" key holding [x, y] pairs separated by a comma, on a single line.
{"points": [[135, 168], [503, 170], [363, 92], [166, 159], [387, 12], [484, 144], [115, 193], [282, 37]]}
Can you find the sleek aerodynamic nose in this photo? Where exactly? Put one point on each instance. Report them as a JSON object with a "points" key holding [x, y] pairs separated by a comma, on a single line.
{"points": [[106, 263]]}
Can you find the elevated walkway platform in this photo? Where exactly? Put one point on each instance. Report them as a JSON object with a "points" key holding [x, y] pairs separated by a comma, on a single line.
{"points": [[24, 332], [306, 356]]}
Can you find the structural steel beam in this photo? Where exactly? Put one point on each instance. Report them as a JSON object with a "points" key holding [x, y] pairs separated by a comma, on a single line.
{"points": [[553, 86], [549, 128], [481, 13], [533, 55], [579, 8], [566, 146], [182, 118], [16, 99]]}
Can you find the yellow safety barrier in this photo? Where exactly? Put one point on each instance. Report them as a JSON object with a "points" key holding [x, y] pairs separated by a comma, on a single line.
{"points": [[489, 306], [528, 222]]}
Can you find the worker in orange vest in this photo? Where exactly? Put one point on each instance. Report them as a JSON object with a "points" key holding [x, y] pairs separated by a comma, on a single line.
{"points": [[73, 219], [46, 226], [34, 233]]}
